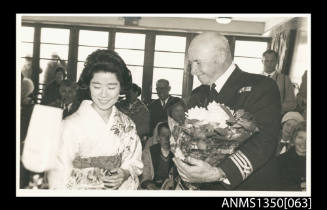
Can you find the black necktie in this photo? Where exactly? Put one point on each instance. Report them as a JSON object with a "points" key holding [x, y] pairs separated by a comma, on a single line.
{"points": [[212, 92], [163, 104], [65, 110], [284, 144]]}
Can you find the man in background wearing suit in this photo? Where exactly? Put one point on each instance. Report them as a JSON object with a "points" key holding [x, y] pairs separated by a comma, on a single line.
{"points": [[253, 166], [158, 108], [284, 83]]}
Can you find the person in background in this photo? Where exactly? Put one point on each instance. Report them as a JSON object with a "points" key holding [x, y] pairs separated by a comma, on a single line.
{"points": [[68, 100], [137, 111], [301, 97], [26, 110], [50, 72], [27, 88], [285, 86], [292, 164], [157, 160], [99, 132], [27, 70], [158, 108], [289, 121], [177, 112], [51, 91]]}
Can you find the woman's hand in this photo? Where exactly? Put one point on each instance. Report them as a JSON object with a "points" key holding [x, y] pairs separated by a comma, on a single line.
{"points": [[117, 177]]}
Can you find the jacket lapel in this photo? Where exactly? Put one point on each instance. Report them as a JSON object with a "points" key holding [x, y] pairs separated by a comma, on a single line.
{"points": [[230, 88]]}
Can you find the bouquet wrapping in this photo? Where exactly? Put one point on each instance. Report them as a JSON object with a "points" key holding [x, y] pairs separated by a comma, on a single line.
{"points": [[211, 134], [42, 140]]}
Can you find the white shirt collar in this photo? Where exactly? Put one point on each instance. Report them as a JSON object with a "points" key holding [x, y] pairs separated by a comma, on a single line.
{"points": [[68, 106], [224, 77], [165, 101], [284, 141], [164, 152], [271, 74]]}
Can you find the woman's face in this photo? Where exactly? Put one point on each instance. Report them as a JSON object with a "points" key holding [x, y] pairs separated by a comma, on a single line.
{"points": [[164, 135], [105, 89], [300, 142], [178, 114], [287, 129]]}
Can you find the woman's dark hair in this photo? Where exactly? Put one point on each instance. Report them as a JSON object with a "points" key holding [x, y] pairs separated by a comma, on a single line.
{"points": [[163, 125], [137, 89], [61, 69], [179, 102], [302, 126], [106, 61]]}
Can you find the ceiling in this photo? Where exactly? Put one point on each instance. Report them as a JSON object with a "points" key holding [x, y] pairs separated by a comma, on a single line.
{"points": [[250, 18]]}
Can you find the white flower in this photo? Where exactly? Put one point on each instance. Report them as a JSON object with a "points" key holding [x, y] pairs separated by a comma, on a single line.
{"points": [[213, 114]]}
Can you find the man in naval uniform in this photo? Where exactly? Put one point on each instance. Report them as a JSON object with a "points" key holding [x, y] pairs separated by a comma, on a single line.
{"points": [[253, 166]]}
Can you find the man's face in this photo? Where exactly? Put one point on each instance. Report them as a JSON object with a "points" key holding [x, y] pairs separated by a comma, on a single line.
{"points": [[59, 77], [164, 135], [269, 62], [204, 64], [163, 90], [178, 114], [67, 94], [288, 128]]}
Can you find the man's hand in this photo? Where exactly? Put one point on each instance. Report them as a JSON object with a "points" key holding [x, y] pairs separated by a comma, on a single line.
{"points": [[117, 177], [198, 172]]}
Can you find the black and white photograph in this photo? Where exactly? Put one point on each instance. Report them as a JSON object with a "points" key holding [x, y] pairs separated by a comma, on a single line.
{"points": [[195, 105]]}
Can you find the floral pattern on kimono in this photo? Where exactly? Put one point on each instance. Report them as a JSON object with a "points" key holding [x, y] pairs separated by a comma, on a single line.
{"points": [[139, 113], [86, 135]]}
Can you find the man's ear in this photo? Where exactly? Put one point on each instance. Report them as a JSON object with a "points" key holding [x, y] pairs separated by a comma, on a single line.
{"points": [[169, 88], [221, 56]]}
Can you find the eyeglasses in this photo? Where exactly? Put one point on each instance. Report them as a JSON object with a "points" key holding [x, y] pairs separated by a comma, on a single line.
{"points": [[161, 88]]}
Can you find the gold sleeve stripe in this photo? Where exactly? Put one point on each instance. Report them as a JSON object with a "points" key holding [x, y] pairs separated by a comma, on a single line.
{"points": [[242, 163]]}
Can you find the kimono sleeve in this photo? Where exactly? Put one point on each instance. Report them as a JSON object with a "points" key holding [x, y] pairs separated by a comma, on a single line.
{"points": [[132, 153], [68, 149]]}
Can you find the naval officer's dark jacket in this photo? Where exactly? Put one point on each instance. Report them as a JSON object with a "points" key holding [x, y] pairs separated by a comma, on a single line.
{"points": [[253, 166]]}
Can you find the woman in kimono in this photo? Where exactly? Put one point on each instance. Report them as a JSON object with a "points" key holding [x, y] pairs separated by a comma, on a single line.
{"points": [[99, 147]]}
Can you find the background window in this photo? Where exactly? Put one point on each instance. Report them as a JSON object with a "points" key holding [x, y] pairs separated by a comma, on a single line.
{"points": [[26, 51], [175, 78], [169, 58], [89, 41], [248, 55], [54, 48], [130, 46], [93, 38]]}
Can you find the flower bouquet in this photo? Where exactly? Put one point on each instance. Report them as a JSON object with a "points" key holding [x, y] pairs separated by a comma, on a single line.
{"points": [[211, 134]]}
